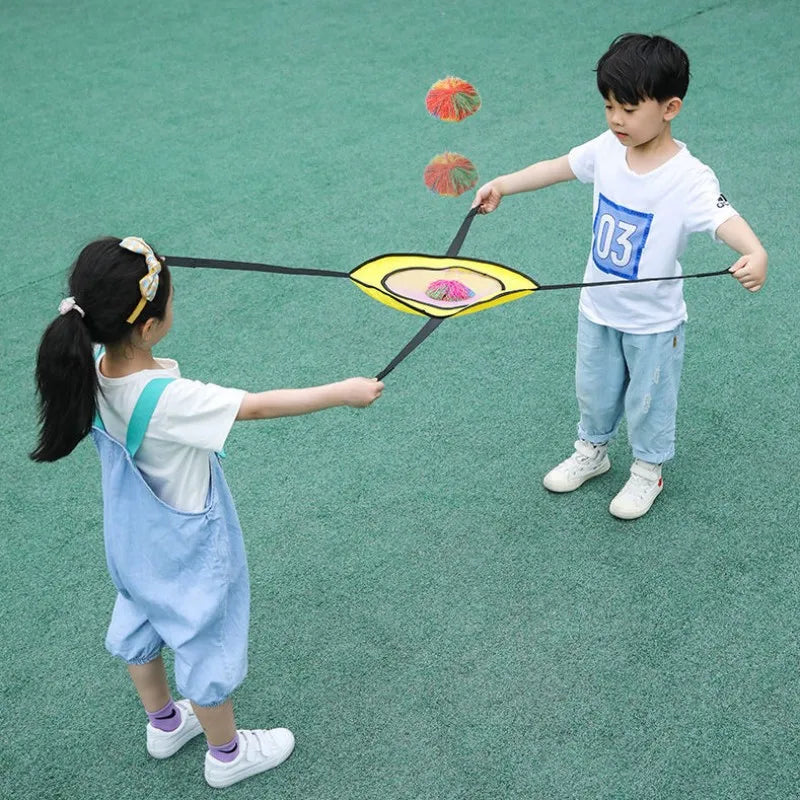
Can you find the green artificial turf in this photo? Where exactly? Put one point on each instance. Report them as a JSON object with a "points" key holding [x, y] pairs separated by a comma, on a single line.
{"points": [[429, 621]]}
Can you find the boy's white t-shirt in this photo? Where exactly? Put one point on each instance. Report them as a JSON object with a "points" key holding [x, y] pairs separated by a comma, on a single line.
{"points": [[191, 421], [640, 228]]}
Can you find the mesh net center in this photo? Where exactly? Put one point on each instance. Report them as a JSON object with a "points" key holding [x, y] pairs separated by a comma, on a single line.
{"points": [[414, 283]]}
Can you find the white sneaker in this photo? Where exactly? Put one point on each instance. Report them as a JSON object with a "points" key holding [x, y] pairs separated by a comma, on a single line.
{"points": [[638, 494], [259, 751], [163, 744], [588, 461]]}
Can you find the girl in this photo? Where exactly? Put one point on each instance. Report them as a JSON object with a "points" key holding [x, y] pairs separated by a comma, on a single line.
{"points": [[173, 543]]}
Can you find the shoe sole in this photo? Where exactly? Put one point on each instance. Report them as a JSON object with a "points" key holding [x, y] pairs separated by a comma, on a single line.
{"points": [[600, 471]]}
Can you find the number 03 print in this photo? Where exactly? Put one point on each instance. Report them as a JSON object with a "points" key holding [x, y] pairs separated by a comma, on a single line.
{"points": [[619, 237]]}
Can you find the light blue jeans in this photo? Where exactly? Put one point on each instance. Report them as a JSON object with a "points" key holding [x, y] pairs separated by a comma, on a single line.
{"points": [[637, 375]]}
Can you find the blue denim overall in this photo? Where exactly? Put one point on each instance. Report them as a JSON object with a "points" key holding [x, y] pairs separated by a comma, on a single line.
{"points": [[181, 577]]}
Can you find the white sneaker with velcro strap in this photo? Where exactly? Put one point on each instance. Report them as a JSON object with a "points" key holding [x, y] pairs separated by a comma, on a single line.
{"points": [[588, 461], [163, 744], [637, 495], [259, 750]]}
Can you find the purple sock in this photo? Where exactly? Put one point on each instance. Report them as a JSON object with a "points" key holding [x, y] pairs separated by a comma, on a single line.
{"points": [[167, 718], [225, 752]]}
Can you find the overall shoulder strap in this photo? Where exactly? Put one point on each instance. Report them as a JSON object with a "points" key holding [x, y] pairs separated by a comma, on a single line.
{"points": [[98, 354], [143, 411]]}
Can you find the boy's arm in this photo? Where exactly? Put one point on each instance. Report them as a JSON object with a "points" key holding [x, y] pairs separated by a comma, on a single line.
{"points": [[357, 392], [751, 269], [536, 176]]}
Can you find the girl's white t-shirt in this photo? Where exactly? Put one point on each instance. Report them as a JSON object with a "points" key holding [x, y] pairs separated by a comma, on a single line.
{"points": [[641, 224], [191, 421]]}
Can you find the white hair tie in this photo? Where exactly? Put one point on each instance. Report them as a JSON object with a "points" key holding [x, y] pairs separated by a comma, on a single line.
{"points": [[68, 304]]}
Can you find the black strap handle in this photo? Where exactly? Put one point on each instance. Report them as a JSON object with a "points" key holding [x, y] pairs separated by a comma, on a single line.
{"points": [[248, 266], [427, 329], [455, 245], [633, 282]]}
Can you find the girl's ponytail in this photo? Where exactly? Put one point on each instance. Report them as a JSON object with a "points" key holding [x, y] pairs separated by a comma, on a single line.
{"points": [[105, 284], [66, 381]]}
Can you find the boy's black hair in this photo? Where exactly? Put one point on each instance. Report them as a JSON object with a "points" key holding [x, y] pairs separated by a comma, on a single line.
{"points": [[639, 67]]}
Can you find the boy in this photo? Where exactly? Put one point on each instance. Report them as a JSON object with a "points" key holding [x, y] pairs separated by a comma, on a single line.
{"points": [[650, 193]]}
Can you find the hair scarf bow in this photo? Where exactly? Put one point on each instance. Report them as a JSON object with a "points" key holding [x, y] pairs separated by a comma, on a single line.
{"points": [[148, 285]]}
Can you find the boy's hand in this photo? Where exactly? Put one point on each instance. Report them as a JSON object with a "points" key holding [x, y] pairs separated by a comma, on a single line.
{"points": [[487, 198], [751, 270], [360, 392]]}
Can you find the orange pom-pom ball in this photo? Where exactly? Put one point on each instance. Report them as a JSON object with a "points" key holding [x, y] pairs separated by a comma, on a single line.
{"points": [[450, 174], [452, 99]]}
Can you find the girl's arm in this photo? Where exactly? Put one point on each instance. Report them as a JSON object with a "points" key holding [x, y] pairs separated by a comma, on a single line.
{"points": [[356, 392], [751, 269], [536, 176]]}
